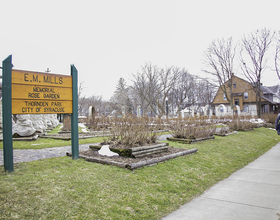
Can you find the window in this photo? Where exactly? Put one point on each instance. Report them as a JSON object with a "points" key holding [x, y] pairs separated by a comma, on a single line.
{"points": [[245, 95], [225, 98], [236, 102], [246, 108], [234, 85]]}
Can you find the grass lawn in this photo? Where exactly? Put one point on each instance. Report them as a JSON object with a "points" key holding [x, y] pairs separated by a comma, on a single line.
{"points": [[62, 188], [48, 142], [41, 143]]}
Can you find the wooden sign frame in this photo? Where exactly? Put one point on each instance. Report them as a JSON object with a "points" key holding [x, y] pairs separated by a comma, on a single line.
{"points": [[28, 92]]}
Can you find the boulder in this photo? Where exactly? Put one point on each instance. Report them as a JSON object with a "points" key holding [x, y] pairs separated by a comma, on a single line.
{"points": [[23, 126]]}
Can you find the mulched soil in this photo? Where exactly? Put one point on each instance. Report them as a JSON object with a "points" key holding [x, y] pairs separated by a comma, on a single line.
{"points": [[129, 160]]}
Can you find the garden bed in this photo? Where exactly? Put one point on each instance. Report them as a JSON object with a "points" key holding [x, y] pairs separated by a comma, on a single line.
{"points": [[189, 141], [226, 133], [135, 152], [133, 163]]}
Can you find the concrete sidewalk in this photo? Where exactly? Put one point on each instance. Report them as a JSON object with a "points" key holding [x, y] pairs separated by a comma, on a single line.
{"points": [[250, 193]]}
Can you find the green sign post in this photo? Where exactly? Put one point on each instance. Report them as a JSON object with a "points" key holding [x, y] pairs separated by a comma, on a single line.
{"points": [[15, 102], [74, 115], [7, 114]]}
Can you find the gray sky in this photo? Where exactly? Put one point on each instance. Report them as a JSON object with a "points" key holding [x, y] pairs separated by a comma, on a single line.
{"points": [[109, 39]]}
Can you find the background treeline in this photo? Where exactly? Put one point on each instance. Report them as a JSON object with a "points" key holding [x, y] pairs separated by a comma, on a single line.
{"points": [[151, 87]]}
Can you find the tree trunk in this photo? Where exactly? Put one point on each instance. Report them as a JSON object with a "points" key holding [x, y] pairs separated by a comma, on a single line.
{"points": [[258, 99]]}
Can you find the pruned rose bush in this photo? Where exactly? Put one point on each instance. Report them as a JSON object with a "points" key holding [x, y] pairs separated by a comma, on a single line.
{"points": [[191, 128], [133, 131]]}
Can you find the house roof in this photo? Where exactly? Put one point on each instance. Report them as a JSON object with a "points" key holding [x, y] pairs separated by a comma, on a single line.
{"points": [[268, 100], [274, 89], [266, 90]]}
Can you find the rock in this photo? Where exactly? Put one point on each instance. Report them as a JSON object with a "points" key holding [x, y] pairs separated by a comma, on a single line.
{"points": [[27, 125], [38, 124], [54, 120], [50, 120], [23, 126]]}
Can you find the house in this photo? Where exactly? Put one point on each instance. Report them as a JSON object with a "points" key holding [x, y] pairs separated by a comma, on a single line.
{"points": [[275, 90], [244, 98]]}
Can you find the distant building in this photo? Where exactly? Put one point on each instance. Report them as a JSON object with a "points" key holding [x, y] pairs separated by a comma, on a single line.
{"points": [[245, 97]]}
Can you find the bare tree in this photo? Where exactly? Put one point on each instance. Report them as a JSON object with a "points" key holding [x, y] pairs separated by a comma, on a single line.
{"points": [[219, 59], [94, 100], [253, 59], [205, 91], [144, 84], [277, 55], [181, 90], [153, 85], [168, 79], [81, 98]]}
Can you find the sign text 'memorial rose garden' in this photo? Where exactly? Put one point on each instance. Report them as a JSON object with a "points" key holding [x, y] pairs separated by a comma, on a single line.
{"points": [[41, 93]]}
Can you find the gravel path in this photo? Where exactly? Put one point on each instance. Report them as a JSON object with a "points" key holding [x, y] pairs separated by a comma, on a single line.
{"points": [[38, 154]]}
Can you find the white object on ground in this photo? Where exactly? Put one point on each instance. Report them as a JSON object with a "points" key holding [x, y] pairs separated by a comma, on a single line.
{"points": [[258, 120], [105, 151], [83, 127]]}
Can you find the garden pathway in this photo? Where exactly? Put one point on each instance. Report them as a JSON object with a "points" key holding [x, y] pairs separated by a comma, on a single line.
{"points": [[38, 154]]}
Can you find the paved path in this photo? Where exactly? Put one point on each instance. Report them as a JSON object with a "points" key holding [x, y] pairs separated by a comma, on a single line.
{"points": [[251, 193], [37, 154]]}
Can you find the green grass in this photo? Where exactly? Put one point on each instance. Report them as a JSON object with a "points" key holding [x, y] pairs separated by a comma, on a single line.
{"points": [[62, 188], [48, 142], [41, 143], [59, 127], [56, 130]]}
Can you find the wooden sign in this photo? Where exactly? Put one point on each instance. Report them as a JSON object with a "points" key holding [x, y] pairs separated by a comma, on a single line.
{"points": [[41, 107], [41, 93], [27, 92], [42, 79]]}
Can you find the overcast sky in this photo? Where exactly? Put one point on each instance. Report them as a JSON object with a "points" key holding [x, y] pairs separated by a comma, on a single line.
{"points": [[109, 39]]}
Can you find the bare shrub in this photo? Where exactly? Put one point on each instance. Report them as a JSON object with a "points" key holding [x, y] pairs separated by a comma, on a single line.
{"points": [[99, 123], [133, 131], [241, 125], [270, 118], [192, 128]]}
